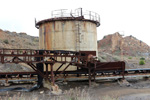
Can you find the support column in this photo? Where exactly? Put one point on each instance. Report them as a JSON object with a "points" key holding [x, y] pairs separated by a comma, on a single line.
{"points": [[40, 67], [89, 77], [46, 71], [89, 69], [52, 75], [94, 73], [123, 69], [77, 70]]}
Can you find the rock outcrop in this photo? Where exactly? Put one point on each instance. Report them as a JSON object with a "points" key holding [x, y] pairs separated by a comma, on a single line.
{"points": [[13, 40], [117, 44]]}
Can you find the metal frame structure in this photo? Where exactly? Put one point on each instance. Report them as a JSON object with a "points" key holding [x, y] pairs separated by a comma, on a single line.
{"points": [[75, 13], [83, 60]]}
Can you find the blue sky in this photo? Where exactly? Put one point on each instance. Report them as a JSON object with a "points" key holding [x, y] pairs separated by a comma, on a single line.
{"points": [[129, 17]]}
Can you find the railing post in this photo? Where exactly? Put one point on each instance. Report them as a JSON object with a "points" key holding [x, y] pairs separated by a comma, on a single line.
{"points": [[81, 11], [90, 14]]}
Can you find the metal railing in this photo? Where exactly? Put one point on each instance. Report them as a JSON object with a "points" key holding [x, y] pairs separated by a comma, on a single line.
{"points": [[43, 56], [76, 13]]}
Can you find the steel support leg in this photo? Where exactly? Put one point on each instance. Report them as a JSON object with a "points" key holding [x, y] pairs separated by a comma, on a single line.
{"points": [[52, 75], [89, 76], [77, 70], [94, 73], [123, 69], [58, 68], [64, 70], [46, 71]]}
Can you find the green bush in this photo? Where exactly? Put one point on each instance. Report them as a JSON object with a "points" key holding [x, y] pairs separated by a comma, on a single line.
{"points": [[142, 62], [129, 57], [6, 41], [142, 58]]}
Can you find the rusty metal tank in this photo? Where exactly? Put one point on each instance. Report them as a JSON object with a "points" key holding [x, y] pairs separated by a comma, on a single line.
{"points": [[69, 30]]}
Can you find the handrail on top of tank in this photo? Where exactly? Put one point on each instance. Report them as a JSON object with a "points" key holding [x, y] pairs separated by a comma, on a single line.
{"points": [[65, 13], [76, 13]]}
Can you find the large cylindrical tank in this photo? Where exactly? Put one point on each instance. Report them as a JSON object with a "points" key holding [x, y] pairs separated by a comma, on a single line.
{"points": [[69, 33], [72, 35], [72, 32]]}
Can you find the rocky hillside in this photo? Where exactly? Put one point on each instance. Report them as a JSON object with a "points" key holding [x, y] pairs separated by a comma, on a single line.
{"points": [[13, 40], [112, 44], [117, 44], [110, 49], [17, 40]]}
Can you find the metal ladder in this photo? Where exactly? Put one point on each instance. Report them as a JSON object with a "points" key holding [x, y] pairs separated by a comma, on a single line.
{"points": [[78, 34]]}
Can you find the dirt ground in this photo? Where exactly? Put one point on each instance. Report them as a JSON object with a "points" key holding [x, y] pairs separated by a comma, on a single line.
{"points": [[139, 89]]}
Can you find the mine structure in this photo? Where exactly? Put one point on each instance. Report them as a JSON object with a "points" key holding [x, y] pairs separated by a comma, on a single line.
{"points": [[36, 59], [67, 48]]}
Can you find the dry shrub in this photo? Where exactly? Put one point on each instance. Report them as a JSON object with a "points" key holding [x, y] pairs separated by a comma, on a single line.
{"points": [[19, 96], [72, 94], [107, 98]]}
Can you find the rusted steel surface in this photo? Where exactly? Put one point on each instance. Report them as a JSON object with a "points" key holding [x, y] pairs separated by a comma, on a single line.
{"points": [[68, 35], [16, 73], [29, 56], [84, 61], [73, 31], [48, 57], [67, 19], [88, 52], [106, 66], [111, 66]]}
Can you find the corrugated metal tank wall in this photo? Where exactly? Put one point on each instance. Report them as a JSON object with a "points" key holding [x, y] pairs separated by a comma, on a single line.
{"points": [[68, 35]]}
